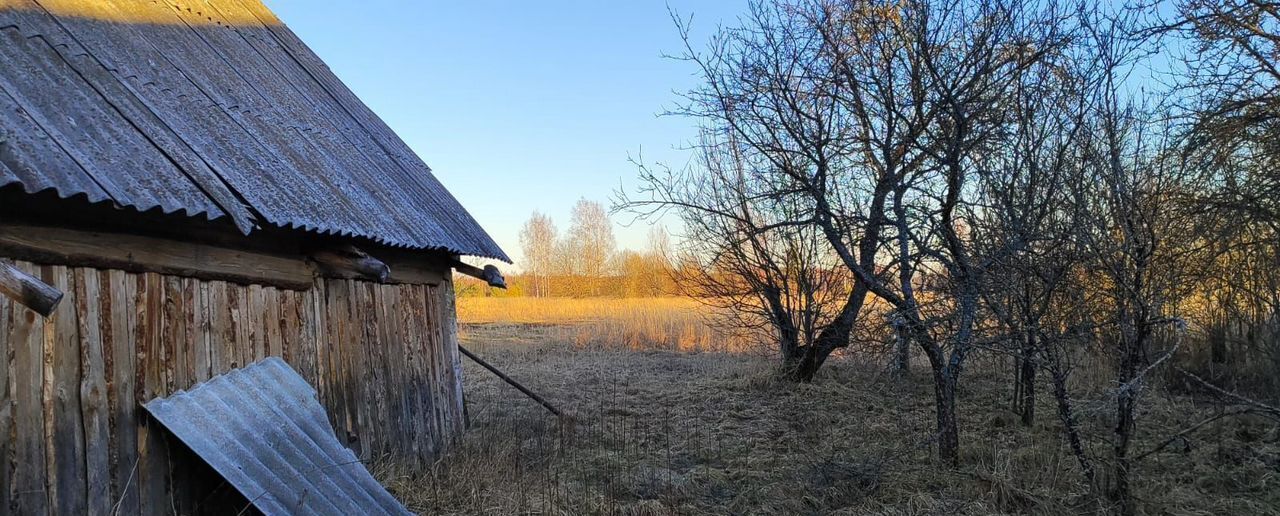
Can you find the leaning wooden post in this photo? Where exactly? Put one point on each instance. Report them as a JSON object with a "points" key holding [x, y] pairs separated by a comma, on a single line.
{"points": [[513, 383], [28, 290]]}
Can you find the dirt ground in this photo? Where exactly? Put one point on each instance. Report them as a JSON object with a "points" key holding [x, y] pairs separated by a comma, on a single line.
{"points": [[661, 432]]}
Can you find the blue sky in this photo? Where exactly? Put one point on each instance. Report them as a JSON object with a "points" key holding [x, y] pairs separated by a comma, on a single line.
{"points": [[518, 106]]}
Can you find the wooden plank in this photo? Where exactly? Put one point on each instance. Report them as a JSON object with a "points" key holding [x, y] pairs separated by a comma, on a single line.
{"points": [[411, 314], [372, 389], [379, 340], [94, 410], [288, 326], [272, 322], [119, 325], [295, 342], [425, 343], [333, 402], [430, 351], [6, 403], [320, 330], [135, 253], [192, 333], [257, 342], [239, 329], [449, 329], [153, 465], [219, 320], [445, 377], [373, 404], [402, 381], [180, 346], [63, 425], [405, 334], [202, 356], [342, 351], [28, 490], [357, 370], [451, 362], [179, 334], [394, 364], [429, 344], [174, 335], [304, 351], [430, 377]]}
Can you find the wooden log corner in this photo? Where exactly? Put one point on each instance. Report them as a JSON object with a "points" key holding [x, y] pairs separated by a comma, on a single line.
{"points": [[351, 262], [28, 290], [489, 274]]}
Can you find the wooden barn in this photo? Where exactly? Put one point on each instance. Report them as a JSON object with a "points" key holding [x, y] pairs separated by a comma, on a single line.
{"points": [[203, 192]]}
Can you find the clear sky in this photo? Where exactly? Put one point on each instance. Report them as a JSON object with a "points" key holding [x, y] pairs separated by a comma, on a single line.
{"points": [[518, 106]]}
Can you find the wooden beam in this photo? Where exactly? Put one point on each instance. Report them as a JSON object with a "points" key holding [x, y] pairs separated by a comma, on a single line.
{"points": [[511, 382], [489, 274], [351, 262], [28, 290], [209, 259], [414, 267], [135, 253], [416, 273]]}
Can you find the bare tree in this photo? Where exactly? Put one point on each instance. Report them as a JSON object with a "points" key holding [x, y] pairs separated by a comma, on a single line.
{"points": [[956, 64], [870, 123], [1141, 241], [993, 174], [742, 251], [659, 256], [538, 239], [1231, 84], [770, 107], [591, 243], [1026, 218]]}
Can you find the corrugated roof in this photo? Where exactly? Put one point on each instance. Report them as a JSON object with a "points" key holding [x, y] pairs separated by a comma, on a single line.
{"points": [[263, 430], [209, 108]]}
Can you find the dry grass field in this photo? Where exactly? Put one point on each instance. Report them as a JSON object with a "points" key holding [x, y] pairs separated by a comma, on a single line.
{"points": [[671, 323], [656, 430]]}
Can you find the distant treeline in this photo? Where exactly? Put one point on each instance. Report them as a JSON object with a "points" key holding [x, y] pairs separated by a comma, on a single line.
{"points": [[632, 284], [584, 262]]}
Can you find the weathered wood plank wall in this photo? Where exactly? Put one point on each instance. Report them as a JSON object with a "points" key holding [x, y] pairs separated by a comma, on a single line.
{"points": [[74, 440]]}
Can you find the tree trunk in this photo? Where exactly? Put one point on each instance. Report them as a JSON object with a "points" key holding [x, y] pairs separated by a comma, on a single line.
{"points": [[1218, 343], [944, 387], [804, 366], [1027, 381], [1126, 403], [1066, 413], [901, 351], [808, 359], [792, 354], [1121, 492]]}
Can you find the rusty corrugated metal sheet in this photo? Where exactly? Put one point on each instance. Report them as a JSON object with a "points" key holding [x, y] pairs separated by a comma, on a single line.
{"points": [[210, 108], [262, 428]]}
